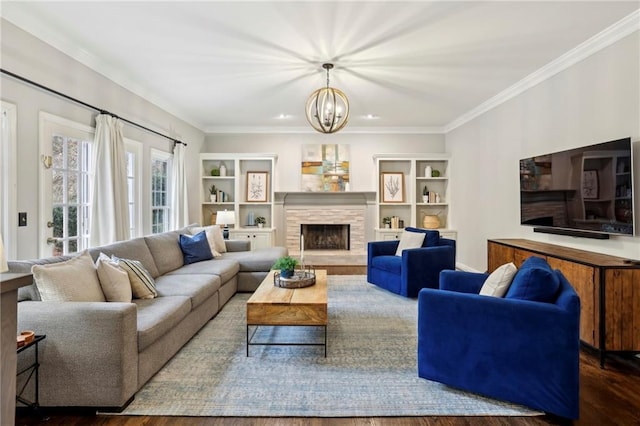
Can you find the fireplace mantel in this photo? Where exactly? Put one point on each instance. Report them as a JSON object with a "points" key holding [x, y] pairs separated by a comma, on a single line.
{"points": [[305, 198]]}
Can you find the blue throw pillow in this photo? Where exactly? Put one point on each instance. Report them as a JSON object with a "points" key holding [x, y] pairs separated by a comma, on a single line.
{"points": [[432, 239], [196, 248], [535, 280]]}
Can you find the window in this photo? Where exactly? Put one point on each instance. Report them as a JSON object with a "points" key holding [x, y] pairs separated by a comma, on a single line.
{"points": [[134, 167], [160, 174]]}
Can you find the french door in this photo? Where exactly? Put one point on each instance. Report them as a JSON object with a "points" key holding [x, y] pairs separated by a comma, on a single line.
{"points": [[65, 185]]}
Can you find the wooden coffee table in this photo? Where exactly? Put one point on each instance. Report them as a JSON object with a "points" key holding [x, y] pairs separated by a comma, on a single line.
{"points": [[275, 306]]}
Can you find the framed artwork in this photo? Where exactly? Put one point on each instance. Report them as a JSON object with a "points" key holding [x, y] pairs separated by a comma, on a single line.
{"points": [[590, 184], [392, 187], [257, 186], [325, 168]]}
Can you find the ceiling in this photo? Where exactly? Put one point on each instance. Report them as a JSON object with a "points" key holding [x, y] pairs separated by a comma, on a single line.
{"points": [[234, 66]]}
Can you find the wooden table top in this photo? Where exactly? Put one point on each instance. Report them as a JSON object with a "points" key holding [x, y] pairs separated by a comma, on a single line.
{"points": [[271, 305]]}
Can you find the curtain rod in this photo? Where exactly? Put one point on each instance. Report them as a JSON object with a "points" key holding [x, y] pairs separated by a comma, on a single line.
{"points": [[100, 110]]}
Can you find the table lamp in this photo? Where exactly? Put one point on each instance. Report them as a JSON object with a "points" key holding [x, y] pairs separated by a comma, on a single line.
{"points": [[3, 257], [226, 218]]}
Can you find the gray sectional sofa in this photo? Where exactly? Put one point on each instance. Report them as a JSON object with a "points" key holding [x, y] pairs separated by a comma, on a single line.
{"points": [[99, 354]]}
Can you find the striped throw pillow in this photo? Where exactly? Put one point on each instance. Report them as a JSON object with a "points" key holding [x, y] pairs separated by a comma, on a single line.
{"points": [[142, 284]]}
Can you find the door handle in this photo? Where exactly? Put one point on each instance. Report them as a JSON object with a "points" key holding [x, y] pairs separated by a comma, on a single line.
{"points": [[49, 224], [51, 240]]}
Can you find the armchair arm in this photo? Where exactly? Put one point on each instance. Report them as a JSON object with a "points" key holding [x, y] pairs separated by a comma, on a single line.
{"points": [[461, 281], [90, 355], [382, 248], [521, 351], [421, 267]]}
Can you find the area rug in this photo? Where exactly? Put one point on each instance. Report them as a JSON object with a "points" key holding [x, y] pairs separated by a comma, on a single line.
{"points": [[370, 369]]}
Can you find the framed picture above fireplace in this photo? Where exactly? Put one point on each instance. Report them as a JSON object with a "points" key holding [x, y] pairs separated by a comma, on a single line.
{"points": [[392, 187], [257, 186]]}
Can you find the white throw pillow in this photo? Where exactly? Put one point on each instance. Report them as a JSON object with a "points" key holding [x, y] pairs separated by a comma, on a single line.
{"points": [[410, 240], [498, 282], [142, 284], [75, 280], [214, 237], [113, 279]]}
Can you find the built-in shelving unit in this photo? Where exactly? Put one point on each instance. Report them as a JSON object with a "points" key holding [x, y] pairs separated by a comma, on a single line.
{"points": [[230, 182], [418, 171]]}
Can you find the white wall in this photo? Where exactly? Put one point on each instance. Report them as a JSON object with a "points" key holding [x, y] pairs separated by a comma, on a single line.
{"points": [[29, 57], [593, 101], [362, 147]]}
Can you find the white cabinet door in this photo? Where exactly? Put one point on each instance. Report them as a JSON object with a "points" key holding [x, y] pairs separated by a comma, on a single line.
{"points": [[258, 238]]}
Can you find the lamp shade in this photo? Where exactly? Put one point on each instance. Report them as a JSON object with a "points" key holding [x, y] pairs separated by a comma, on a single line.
{"points": [[226, 218], [3, 257]]}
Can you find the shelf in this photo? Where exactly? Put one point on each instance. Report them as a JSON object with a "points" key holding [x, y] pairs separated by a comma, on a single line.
{"points": [[219, 177], [432, 204]]}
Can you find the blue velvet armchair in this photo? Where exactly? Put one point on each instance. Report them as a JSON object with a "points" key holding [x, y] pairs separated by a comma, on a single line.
{"points": [[415, 269], [522, 351]]}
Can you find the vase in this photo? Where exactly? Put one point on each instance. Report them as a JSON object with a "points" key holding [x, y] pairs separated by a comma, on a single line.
{"points": [[286, 273], [223, 170], [260, 225], [212, 198], [427, 171]]}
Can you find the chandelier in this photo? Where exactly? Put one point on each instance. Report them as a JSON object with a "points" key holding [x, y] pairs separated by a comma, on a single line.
{"points": [[327, 108]]}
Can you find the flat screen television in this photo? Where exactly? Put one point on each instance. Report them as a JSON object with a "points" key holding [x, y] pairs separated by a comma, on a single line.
{"points": [[586, 191]]}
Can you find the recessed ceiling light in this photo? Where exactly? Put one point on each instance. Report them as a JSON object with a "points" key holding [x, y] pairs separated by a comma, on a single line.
{"points": [[371, 117], [283, 116]]}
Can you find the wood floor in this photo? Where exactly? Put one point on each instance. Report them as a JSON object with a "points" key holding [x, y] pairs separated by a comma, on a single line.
{"points": [[609, 396]]}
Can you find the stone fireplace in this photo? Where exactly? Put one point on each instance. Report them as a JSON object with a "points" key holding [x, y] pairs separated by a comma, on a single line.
{"points": [[331, 216]]}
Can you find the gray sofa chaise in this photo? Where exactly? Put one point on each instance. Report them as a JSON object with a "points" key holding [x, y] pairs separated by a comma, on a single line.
{"points": [[99, 354]]}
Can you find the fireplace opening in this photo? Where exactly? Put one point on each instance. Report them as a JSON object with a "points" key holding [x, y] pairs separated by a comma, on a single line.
{"points": [[325, 236]]}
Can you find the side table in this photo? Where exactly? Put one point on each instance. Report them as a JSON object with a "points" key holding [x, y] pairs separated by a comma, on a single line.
{"points": [[32, 369]]}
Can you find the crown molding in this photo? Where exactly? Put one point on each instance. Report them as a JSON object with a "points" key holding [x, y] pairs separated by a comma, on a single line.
{"points": [[603, 39], [310, 130]]}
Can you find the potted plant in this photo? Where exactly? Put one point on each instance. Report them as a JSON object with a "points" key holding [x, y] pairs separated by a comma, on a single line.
{"points": [[286, 264], [212, 193], [386, 222], [425, 194], [260, 221]]}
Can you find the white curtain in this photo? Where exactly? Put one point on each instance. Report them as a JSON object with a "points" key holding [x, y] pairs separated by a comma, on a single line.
{"points": [[179, 194], [110, 200]]}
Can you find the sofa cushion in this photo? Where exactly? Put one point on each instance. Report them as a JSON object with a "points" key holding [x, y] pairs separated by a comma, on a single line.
{"points": [[391, 264], [75, 280], [158, 316], [113, 279], [410, 240], [498, 282], [259, 260], [198, 287], [165, 249], [135, 248], [214, 237], [215, 232], [195, 248], [30, 292], [142, 283], [535, 280], [224, 268]]}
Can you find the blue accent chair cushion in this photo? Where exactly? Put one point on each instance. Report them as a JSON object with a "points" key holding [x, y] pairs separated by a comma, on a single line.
{"points": [[415, 269], [195, 248], [534, 280], [522, 351]]}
